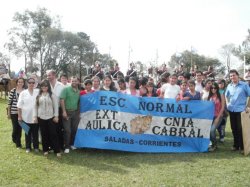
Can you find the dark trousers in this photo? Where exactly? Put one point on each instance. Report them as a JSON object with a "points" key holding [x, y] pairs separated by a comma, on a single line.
{"points": [[32, 136], [235, 120], [16, 130], [70, 128], [49, 135], [60, 130]]}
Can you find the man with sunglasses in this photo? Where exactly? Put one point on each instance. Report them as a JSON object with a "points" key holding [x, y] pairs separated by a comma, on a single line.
{"points": [[236, 94]]}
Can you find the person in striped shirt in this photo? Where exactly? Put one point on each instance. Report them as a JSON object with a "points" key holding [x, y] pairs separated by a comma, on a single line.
{"points": [[12, 112]]}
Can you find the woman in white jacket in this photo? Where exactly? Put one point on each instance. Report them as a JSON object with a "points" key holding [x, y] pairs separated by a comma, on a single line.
{"points": [[45, 113]]}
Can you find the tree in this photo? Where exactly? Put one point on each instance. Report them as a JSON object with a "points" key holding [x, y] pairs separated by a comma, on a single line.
{"points": [[243, 51], [28, 37], [227, 51], [39, 38], [186, 58]]}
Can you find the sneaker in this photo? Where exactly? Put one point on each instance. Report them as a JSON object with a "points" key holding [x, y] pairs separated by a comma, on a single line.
{"points": [[234, 149], [212, 148], [58, 155], [73, 147], [46, 153], [210, 143], [36, 150], [27, 150], [66, 151], [222, 140]]}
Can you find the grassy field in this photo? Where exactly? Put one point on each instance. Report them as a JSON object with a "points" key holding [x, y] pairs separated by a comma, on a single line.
{"points": [[88, 167]]}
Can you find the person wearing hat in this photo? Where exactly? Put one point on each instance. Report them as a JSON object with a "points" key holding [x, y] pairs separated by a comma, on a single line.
{"points": [[116, 72], [98, 71], [132, 72]]}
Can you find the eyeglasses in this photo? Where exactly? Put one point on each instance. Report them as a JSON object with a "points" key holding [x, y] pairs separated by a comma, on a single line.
{"points": [[213, 88], [31, 82], [44, 86]]}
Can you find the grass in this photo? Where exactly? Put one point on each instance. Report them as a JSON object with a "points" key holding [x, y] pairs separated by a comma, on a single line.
{"points": [[89, 167]]}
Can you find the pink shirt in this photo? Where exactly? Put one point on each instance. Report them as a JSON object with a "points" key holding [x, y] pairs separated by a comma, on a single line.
{"points": [[217, 104]]}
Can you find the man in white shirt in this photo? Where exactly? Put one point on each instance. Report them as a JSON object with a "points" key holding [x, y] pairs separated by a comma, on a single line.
{"points": [[198, 81], [56, 88], [170, 90]]}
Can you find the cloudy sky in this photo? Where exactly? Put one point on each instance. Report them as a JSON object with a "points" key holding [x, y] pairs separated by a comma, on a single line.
{"points": [[151, 27]]}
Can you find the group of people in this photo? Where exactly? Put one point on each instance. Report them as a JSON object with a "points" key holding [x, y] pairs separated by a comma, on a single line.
{"points": [[53, 105]]}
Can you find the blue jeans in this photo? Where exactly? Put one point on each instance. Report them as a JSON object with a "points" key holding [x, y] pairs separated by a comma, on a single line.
{"points": [[213, 131], [221, 128]]}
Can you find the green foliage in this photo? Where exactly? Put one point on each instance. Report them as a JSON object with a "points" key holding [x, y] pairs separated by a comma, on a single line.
{"points": [[92, 167], [190, 59], [243, 51], [39, 38]]}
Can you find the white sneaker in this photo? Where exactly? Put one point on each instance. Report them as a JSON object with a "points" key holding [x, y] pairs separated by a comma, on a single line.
{"points": [[27, 150], [46, 153], [210, 143], [73, 147], [66, 151]]}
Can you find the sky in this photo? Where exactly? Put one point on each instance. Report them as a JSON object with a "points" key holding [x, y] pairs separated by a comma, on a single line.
{"points": [[154, 29]]}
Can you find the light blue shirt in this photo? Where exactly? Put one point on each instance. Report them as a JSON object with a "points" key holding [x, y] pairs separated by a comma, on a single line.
{"points": [[237, 96]]}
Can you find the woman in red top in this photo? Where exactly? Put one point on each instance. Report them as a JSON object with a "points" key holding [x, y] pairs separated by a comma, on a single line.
{"points": [[219, 105]]}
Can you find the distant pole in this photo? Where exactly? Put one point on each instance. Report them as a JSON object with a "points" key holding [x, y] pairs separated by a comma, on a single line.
{"points": [[129, 54], [191, 57], [156, 58], [244, 66]]}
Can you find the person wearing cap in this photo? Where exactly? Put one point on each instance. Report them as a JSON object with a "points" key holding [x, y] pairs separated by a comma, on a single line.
{"points": [[98, 71], [116, 72], [132, 72], [236, 94]]}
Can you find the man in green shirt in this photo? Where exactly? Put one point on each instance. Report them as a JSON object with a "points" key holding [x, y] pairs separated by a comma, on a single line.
{"points": [[70, 97]]}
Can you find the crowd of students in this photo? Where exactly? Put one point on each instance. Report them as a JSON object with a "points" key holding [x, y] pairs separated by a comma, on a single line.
{"points": [[53, 106]]}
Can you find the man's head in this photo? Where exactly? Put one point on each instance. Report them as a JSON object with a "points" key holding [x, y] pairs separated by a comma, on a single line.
{"points": [[234, 76], [74, 82], [64, 79], [198, 76], [173, 79], [51, 75]]}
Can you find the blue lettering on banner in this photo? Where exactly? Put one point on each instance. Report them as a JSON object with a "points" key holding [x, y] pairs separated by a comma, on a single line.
{"points": [[116, 121]]}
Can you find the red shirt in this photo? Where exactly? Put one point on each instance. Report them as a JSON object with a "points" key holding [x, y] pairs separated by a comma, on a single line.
{"points": [[83, 92]]}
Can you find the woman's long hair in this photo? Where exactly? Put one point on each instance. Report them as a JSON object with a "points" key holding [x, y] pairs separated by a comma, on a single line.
{"points": [[44, 82], [215, 85]]}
